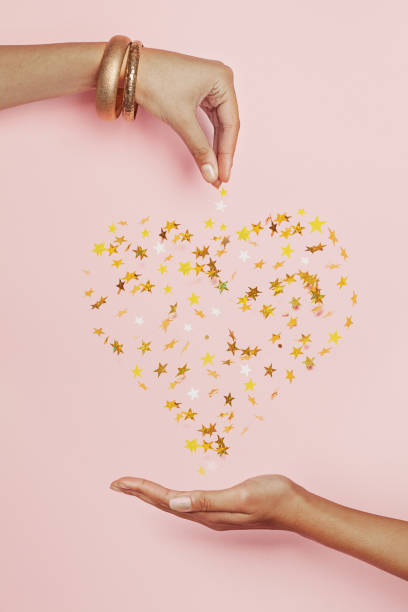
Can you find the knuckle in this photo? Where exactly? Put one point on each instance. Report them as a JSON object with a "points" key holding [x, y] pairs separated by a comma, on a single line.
{"points": [[200, 153], [139, 484], [233, 123], [168, 494], [219, 64], [245, 496], [229, 71], [205, 504], [202, 502], [224, 69]]}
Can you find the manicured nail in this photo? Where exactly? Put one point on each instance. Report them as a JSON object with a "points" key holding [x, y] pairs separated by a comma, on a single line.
{"points": [[117, 486], [180, 503], [208, 172]]}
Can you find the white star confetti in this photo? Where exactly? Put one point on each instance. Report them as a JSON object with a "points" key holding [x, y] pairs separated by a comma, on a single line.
{"points": [[193, 393]]}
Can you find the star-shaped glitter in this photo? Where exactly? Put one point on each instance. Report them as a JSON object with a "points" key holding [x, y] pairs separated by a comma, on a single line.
{"points": [[245, 369], [191, 445], [137, 371], [334, 337], [185, 268], [159, 247], [161, 369], [99, 248], [249, 385], [228, 399], [207, 358], [144, 347], [221, 205], [193, 393], [316, 224], [243, 234], [117, 348], [243, 255], [183, 370], [193, 299]]}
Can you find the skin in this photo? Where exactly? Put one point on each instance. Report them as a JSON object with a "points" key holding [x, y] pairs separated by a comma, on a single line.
{"points": [[272, 501], [171, 86]]}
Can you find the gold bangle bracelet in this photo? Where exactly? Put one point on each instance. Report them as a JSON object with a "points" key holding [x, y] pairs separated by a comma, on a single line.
{"points": [[130, 105], [109, 96]]}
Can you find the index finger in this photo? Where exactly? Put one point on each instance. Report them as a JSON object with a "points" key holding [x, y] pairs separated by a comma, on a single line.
{"points": [[157, 494]]}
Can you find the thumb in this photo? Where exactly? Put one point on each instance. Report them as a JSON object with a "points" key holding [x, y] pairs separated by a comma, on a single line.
{"points": [[188, 128], [204, 501]]}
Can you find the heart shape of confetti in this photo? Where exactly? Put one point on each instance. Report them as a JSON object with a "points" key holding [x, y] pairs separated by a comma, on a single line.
{"points": [[220, 319]]}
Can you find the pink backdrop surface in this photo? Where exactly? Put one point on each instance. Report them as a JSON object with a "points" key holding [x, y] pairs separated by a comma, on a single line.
{"points": [[323, 92]]}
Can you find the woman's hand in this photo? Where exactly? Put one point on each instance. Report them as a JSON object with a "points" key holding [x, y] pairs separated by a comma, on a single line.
{"points": [[274, 502], [262, 502], [171, 86]]}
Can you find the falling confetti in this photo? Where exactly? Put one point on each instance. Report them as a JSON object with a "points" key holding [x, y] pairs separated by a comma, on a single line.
{"points": [[223, 318]]}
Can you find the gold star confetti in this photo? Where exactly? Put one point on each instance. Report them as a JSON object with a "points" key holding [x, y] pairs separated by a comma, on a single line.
{"points": [[144, 347], [192, 445], [290, 282], [136, 371], [324, 351], [316, 224], [287, 250], [99, 248], [161, 369], [334, 337], [185, 268], [117, 348], [193, 299], [269, 370], [243, 234]]}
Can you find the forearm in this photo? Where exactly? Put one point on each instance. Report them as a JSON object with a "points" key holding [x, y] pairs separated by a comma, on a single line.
{"points": [[378, 540], [37, 72]]}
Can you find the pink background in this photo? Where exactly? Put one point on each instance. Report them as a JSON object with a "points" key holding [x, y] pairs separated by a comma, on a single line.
{"points": [[322, 89]]}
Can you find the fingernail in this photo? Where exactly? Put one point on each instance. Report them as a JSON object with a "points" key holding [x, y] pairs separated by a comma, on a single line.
{"points": [[208, 172], [117, 486], [180, 503]]}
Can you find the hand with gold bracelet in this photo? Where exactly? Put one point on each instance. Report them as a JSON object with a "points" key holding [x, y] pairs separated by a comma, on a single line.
{"points": [[170, 85]]}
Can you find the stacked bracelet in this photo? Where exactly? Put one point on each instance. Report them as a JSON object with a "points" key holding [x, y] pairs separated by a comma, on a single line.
{"points": [[111, 96], [130, 105]]}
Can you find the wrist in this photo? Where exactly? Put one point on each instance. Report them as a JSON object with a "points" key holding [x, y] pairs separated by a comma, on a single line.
{"points": [[310, 515], [143, 73], [290, 511]]}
